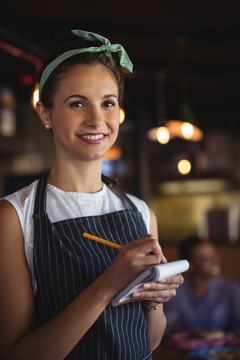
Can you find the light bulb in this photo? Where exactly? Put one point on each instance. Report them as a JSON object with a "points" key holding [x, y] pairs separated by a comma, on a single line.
{"points": [[122, 116], [187, 130], [184, 166], [35, 96], [163, 135]]}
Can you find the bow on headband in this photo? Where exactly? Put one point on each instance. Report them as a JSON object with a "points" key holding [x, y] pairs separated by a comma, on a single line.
{"points": [[107, 47]]}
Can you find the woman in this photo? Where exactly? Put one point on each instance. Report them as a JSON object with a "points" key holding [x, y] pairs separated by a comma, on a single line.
{"points": [[55, 285], [207, 303]]}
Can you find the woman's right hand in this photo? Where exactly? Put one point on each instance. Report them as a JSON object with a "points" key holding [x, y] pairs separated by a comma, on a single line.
{"points": [[132, 260]]}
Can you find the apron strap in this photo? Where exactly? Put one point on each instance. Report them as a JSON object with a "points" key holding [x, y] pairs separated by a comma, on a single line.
{"points": [[40, 199], [125, 199]]}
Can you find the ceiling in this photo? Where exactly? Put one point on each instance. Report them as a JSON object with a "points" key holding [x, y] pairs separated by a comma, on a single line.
{"points": [[196, 44]]}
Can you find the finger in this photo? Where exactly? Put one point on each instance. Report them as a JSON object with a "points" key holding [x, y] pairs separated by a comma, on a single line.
{"points": [[139, 248], [148, 245], [159, 287], [153, 295], [176, 279]]}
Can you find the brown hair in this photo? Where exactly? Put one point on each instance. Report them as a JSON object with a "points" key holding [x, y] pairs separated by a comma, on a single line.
{"points": [[51, 86]]}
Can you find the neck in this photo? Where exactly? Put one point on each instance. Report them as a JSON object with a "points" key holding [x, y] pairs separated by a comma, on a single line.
{"points": [[82, 178]]}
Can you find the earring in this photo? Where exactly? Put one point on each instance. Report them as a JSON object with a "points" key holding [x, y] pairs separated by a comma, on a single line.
{"points": [[47, 127]]}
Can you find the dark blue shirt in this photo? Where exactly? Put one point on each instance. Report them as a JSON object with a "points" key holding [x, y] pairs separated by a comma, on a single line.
{"points": [[218, 309]]}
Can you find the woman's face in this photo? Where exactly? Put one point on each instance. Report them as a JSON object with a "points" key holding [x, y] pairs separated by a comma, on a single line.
{"points": [[205, 260], [85, 115]]}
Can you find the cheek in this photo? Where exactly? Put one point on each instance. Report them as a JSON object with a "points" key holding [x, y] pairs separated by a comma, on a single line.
{"points": [[65, 123], [115, 129], [115, 121]]}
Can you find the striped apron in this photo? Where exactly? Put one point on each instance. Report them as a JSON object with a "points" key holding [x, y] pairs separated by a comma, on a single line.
{"points": [[65, 263]]}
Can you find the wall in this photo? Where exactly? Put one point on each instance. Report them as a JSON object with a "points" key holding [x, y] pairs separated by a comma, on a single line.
{"points": [[34, 151], [186, 214]]}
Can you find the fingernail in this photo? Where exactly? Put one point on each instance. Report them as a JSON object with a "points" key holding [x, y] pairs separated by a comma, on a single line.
{"points": [[146, 286], [164, 259], [135, 295], [163, 281]]}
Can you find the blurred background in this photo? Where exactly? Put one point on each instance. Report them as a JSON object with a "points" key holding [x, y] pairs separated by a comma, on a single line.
{"points": [[186, 57]]}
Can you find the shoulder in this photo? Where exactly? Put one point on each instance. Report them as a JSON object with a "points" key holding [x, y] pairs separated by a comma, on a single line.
{"points": [[10, 227], [13, 209], [147, 213], [143, 208], [22, 198], [23, 195], [21, 202], [6, 210], [140, 204]]}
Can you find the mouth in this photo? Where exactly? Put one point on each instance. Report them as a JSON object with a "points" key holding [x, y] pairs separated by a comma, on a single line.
{"points": [[92, 138]]}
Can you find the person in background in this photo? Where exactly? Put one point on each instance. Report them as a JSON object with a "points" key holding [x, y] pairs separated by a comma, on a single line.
{"points": [[56, 286], [205, 301]]}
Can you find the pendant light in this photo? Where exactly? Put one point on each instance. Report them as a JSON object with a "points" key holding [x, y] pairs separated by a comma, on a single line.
{"points": [[161, 132], [186, 128]]}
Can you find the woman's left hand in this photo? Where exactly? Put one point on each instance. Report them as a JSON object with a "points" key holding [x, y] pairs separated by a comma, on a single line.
{"points": [[161, 291]]}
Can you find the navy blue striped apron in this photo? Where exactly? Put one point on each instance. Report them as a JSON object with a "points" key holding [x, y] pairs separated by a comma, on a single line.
{"points": [[65, 263]]}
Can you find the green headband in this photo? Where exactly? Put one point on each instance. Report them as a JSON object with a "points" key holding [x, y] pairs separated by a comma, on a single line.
{"points": [[107, 47]]}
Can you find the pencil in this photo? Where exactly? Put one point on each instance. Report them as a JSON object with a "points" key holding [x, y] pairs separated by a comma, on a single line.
{"points": [[105, 242]]}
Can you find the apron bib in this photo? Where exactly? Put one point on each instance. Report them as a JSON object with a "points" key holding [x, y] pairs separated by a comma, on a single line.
{"points": [[65, 263]]}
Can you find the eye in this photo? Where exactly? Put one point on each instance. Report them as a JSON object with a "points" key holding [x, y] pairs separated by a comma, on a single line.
{"points": [[76, 104], [109, 103]]}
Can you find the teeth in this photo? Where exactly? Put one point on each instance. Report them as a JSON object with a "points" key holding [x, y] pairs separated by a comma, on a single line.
{"points": [[92, 137]]}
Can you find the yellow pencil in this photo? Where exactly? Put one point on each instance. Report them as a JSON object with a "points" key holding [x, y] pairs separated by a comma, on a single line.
{"points": [[105, 242]]}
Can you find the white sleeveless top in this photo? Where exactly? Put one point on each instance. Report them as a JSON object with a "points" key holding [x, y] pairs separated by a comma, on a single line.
{"points": [[61, 205]]}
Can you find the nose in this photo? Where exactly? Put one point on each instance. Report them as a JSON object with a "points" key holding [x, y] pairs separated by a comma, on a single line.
{"points": [[94, 117]]}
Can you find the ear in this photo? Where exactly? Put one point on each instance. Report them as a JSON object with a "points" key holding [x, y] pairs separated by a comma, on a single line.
{"points": [[43, 114]]}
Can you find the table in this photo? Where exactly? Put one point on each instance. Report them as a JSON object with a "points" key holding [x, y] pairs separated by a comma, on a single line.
{"points": [[168, 353]]}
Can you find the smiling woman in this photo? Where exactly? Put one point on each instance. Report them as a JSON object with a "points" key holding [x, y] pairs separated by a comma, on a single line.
{"points": [[86, 108], [57, 285]]}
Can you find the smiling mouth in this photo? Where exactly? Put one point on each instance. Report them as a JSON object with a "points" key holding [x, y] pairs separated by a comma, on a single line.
{"points": [[92, 137]]}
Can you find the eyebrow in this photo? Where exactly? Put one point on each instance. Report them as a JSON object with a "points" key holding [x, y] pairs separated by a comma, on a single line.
{"points": [[85, 97], [75, 96]]}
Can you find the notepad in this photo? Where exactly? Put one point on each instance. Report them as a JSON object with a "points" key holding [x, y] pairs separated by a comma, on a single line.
{"points": [[152, 274]]}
